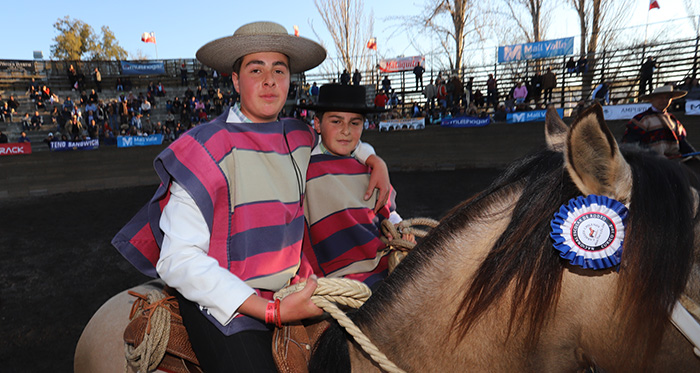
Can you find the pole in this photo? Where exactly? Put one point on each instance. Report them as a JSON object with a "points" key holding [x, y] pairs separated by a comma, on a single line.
{"points": [[155, 44]]}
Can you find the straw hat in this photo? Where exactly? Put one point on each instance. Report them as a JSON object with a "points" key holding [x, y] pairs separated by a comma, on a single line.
{"points": [[340, 97], [220, 54], [666, 90]]}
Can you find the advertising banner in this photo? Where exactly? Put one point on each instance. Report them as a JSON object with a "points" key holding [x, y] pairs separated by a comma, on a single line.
{"points": [[627, 111], [540, 49], [692, 107], [465, 122], [400, 64], [16, 66], [398, 124], [530, 116], [142, 68], [63, 146], [16, 148], [129, 141]]}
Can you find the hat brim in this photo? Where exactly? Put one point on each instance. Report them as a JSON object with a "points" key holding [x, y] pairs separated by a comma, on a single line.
{"points": [[221, 54], [349, 109], [674, 95]]}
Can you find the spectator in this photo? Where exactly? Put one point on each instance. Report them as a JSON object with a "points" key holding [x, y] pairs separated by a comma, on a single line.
{"points": [[13, 106], [442, 94], [457, 90], [491, 91], [386, 84], [97, 78], [314, 92], [478, 98], [160, 90], [656, 128], [519, 93], [23, 137], [536, 87], [418, 71], [380, 100], [345, 77], [93, 98], [3, 138], [37, 121], [393, 99], [119, 86], [183, 75], [571, 66], [549, 81], [582, 65], [73, 78], [26, 122], [646, 73], [202, 74], [430, 93], [469, 91], [356, 77], [146, 108], [49, 139], [215, 79], [601, 93]]}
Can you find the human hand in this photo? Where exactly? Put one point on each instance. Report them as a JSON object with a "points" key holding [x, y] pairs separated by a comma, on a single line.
{"points": [[298, 306], [379, 179]]}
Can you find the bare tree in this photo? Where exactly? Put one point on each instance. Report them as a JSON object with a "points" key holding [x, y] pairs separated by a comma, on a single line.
{"points": [[350, 29], [692, 8], [452, 22], [531, 17], [598, 21]]}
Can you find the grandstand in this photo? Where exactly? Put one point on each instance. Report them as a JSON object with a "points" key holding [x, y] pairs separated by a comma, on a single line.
{"points": [[678, 60]]}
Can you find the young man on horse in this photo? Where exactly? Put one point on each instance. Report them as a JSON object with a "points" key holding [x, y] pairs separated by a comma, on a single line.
{"points": [[225, 227], [343, 232]]}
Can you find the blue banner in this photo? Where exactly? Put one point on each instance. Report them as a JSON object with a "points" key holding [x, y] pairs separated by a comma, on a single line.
{"points": [[142, 68], [466, 122], [540, 49], [62, 146], [129, 141], [530, 116]]}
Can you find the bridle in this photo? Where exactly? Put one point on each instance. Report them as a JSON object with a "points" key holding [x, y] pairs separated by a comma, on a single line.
{"points": [[685, 317]]}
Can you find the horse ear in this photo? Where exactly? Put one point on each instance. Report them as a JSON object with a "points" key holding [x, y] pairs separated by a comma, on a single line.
{"points": [[555, 130], [593, 158]]}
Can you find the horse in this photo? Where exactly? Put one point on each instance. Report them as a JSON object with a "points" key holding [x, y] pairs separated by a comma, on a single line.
{"points": [[487, 291]]}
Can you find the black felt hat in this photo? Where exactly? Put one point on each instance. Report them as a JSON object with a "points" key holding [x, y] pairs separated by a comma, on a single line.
{"points": [[341, 97]]}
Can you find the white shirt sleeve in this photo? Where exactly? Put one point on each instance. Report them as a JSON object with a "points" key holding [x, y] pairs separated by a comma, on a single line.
{"points": [[362, 151], [185, 265]]}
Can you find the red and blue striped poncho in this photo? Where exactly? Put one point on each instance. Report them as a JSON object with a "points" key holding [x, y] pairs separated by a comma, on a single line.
{"points": [[342, 236], [249, 192]]}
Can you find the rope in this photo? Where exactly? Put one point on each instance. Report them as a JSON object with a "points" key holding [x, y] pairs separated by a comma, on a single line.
{"points": [[398, 246], [350, 293], [148, 355]]}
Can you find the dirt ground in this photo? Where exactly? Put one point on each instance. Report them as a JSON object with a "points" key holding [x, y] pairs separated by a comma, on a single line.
{"points": [[58, 265]]}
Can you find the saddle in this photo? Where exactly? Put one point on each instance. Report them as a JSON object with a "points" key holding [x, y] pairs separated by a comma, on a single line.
{"points": [[292, 345]]}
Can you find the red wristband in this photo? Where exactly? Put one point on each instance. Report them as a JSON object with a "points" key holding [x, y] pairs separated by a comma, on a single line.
{"points": [[270, 312], [278, 320]]}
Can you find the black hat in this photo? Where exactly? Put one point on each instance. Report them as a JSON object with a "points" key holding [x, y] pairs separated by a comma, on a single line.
{"points": [[341, 97]]}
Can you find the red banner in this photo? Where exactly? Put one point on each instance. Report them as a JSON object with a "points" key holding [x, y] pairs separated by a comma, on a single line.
{"points": [[16, 148], [400, 64]]}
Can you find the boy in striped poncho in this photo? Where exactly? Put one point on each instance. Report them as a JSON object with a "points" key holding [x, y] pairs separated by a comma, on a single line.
{"points": [[342, 236]]}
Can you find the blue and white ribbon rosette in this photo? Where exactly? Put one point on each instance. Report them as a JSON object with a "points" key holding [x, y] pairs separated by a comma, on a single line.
{"points": [[589, 231]]}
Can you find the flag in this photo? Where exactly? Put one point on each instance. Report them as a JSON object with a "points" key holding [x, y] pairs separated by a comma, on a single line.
{"points": [[653, 4], [148, 37], [296, 30], [372, 43]]}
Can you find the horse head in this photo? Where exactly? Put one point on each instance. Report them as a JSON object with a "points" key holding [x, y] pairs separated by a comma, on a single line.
{"points": [[486, 289]]}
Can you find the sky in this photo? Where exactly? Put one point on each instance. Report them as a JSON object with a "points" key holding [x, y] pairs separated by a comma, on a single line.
{"points": [[181, 27]]}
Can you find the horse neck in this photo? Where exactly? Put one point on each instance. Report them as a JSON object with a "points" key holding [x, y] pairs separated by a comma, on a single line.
{"points": [[421, 297]]}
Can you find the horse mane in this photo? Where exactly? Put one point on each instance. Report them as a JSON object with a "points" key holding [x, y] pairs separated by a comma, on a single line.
{"points": [[657, 251], [656, 261]]}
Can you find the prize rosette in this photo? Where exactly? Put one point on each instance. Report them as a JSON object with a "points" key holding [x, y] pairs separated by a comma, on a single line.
{"points": [[589, 231]]}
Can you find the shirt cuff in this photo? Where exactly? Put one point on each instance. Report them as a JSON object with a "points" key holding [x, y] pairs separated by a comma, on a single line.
{"points": [[363, 151]]}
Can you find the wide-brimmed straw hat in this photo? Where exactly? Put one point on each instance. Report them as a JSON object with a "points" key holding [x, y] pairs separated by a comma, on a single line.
{"points": [[665, 90], [220, 54], [341, 97]]}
